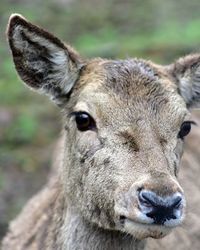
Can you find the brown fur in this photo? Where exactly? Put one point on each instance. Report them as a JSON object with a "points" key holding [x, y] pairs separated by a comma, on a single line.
{"points": [[138, 108], [188, 236]]}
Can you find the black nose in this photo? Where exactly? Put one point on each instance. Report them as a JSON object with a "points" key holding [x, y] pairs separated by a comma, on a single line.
{"points": [[160, 208]]}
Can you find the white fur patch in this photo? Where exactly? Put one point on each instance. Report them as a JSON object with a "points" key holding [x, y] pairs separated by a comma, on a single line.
{"points": [[142, 231]]}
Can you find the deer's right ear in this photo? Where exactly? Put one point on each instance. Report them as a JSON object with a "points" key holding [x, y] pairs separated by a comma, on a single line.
{"points": [[43, 62]]}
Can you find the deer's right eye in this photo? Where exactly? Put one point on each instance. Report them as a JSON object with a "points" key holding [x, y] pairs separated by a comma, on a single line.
{"points": [[84, 121]]}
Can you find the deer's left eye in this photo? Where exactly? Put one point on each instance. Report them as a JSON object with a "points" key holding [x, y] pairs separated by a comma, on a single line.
{"points": [[185, 129]]}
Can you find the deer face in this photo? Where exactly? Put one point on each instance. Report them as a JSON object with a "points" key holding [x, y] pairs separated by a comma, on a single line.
{"points": [[125, 122], [125, 131]]}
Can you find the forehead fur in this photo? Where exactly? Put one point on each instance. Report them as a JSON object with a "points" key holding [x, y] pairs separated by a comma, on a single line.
{"points": [[134, 80]]}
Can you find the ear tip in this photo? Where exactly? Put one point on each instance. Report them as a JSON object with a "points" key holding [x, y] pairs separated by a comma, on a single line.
{"points": [[16, 15], [14, 19]]}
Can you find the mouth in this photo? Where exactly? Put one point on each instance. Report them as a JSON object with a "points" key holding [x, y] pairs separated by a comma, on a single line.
{"points": [[142, 226]]}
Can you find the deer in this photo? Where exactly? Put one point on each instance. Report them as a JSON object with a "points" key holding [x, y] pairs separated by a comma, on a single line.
{"points": [[125, 121]]}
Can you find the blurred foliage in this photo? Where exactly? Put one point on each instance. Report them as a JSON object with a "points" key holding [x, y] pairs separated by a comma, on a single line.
{"points": [[153, 29], [23, 130]]}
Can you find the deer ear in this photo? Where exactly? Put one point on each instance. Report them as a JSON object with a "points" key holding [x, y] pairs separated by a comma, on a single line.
{"points": [[42, 61], [186, 72]]}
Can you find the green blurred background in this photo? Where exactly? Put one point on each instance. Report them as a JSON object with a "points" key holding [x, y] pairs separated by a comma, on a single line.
{"points": [[29, 124]]}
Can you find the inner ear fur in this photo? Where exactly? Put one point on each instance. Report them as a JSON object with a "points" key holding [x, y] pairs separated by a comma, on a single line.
{"points": [[186, 72], [42, 61]]}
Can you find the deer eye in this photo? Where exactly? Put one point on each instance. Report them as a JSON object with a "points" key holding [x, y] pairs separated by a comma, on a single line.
{"points": [[84, 121], [185, 129]]}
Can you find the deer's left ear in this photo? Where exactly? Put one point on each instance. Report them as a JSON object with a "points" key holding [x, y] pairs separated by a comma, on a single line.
{"points": [[186, 72]]}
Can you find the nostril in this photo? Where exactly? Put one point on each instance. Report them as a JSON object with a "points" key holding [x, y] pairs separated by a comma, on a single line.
{"points": [[146, 199], [177, 202]]}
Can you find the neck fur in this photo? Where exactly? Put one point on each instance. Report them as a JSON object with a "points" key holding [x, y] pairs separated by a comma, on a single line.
{"points": [[78, 234]]}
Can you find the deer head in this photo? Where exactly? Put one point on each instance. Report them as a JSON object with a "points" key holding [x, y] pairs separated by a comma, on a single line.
{"points": [[124, 122]]}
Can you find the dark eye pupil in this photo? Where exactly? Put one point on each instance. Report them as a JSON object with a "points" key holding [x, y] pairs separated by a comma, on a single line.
{"points": [[185, 129], [84, 121]]}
